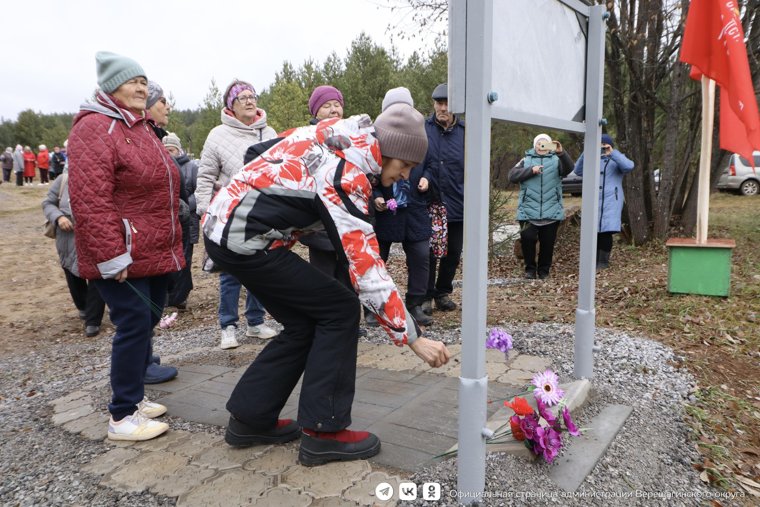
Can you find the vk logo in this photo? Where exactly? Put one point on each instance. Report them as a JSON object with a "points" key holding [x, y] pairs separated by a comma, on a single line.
{"points": [[407, 491]]}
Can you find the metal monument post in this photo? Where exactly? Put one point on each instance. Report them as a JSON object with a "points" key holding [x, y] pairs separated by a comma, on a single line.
{"points": [[585, 313], [473, 382]]}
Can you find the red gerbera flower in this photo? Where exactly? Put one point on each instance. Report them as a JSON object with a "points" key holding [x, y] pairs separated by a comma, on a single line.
{"points": [[520, 406]]}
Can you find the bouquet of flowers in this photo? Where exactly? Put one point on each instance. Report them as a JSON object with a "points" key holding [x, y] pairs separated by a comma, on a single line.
{"points": [[539, 429]]}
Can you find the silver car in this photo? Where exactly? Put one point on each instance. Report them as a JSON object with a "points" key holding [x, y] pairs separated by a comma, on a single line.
{"points": [[739, 175]]}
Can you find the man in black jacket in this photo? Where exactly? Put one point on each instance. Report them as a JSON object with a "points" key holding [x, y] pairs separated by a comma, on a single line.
{"points": [[57, 163], [445, 162]]}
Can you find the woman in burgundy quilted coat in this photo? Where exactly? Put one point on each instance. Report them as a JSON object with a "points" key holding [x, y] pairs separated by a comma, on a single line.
{"points": [[124, 192]]}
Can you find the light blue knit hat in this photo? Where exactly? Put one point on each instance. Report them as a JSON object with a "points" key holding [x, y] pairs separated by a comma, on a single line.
{"points": [[115, 70]]}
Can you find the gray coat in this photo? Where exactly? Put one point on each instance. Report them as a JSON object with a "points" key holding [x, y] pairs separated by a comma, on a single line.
{"points": [[18, 161], [55, 205]]}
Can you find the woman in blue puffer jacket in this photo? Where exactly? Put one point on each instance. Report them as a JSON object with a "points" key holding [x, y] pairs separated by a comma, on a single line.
{"points": [[613, 167]]}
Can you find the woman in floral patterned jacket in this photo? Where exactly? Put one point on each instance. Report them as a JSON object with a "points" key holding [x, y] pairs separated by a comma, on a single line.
{"points": [[317, 177]]}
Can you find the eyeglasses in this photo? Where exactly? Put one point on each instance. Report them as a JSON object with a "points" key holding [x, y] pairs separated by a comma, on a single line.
{"points": [[245, 98], [162, 100]]}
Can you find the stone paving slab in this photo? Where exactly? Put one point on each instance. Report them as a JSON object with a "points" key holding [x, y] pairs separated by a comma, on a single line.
{"points": [[320, 481], [182, 481], [413, 410], [193, 406], [233, 487], [275, 461], [582, 453], [72, 401], [182, 381], [145, 471], [110, 461], [222, 456], [283, 496], [88, 421], [73, 413]]}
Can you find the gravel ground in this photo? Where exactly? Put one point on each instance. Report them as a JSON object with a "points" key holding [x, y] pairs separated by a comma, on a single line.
{"points": [[40, 463]]}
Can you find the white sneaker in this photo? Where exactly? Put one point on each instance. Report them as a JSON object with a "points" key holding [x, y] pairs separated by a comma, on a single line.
{"points": [[228, 338], [150, 409], [260, 331], [135, 427]]}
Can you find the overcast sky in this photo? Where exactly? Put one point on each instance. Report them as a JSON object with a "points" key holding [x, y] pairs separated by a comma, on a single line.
{"points": [[49, 46]]}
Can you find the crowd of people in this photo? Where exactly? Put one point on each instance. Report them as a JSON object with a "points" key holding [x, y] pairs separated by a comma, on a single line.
{"points": [[24, 164], [346, 187]]}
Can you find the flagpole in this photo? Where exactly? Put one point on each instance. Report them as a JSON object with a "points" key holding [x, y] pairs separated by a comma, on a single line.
{"points": [[705, 156]]}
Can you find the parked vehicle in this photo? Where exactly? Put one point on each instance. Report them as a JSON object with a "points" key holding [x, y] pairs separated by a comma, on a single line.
{"points": [[740, 175], [572, 184]]}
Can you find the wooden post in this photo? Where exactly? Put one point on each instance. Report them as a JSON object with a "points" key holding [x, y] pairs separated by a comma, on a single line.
{"points": [[705, 155]]}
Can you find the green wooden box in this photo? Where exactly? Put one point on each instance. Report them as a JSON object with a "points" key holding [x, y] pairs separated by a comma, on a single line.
{"points": [[703, 269]]}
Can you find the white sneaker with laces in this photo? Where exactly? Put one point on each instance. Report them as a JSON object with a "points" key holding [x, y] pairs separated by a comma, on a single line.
{"points": [[151, 409], [260, 331], [135, 428], [228, 338]]}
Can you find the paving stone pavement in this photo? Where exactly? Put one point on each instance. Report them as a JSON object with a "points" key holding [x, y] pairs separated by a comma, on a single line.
{"points": [[411, 407]]}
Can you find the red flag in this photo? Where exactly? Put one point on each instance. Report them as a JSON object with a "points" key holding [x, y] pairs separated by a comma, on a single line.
{"points": [[713, 43]]}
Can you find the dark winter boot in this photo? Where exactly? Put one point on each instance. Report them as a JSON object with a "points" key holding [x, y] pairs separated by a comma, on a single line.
{"points": [[420, 316], [602, 259], [444, 303], [345, 445]]}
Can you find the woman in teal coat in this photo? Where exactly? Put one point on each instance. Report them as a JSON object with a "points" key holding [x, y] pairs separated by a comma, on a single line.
{"points": [[540, 208]]}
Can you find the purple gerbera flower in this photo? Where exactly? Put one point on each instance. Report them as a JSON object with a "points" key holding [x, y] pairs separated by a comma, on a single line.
{"points": [[544, 411], [571, 428], [547, 387], [392, 205], [499, 339]]}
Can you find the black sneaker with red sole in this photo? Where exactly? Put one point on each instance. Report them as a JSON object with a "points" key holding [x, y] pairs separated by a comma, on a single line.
{"points": [[240, 434], [323, 447]]}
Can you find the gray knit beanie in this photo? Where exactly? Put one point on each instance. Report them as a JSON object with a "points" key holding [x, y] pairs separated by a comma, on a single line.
{"points": [[115, 70], [172, 139], [400, 130], [397, 95], [155, 92]]}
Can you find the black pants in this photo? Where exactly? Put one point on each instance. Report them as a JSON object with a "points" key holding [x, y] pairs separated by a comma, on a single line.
{"points": [[417, 268], [181, 282], [545, 235], [448, 265], [7, 175], [324, 260], [19, 179], [86, 298], [320, 337], [604, 241]]}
